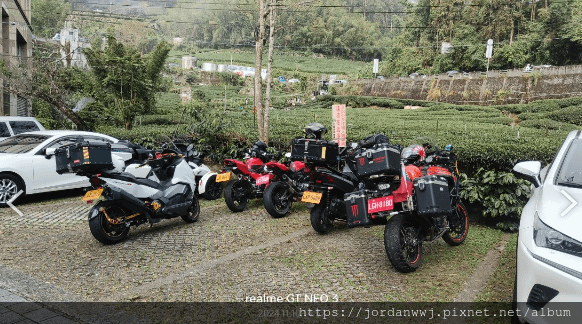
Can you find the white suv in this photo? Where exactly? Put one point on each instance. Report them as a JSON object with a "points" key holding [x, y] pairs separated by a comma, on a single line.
{"points": [[549, 247], [10, 126]]}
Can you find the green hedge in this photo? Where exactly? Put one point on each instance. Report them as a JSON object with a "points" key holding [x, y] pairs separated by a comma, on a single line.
{"points": [[544, 123], [571, 115]]}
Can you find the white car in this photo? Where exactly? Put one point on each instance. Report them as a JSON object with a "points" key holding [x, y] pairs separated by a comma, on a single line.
{"points": [[549, 247], [27, 162], [10, 126]]}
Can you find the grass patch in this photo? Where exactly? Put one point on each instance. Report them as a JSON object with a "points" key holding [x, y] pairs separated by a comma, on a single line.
{"points": [[445, 269], [500, 286]]}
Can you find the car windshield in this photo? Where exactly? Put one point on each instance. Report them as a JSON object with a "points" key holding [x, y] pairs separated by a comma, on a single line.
{"points": [[570, 172], [21, 143]]}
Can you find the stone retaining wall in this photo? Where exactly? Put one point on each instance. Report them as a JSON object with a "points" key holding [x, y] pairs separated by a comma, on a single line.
{"points": [[494, 87]]}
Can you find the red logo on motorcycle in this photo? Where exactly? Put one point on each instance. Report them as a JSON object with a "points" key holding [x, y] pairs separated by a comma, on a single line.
{"points": [[355, 210], [362, 161]]}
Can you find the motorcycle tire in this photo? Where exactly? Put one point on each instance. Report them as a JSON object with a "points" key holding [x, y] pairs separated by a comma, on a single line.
{"points": [[193, 212], [402, 245], [213, 189], [320, 219], [236, 196], [458, 226], [102, 230], [276, 199]]}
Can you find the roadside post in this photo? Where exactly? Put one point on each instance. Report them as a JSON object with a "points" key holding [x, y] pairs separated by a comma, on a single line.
{"points": [[339, 124], [489, 52]]}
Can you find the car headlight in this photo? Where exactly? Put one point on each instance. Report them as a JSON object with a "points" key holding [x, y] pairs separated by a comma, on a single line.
{"points": [[547, 237]]}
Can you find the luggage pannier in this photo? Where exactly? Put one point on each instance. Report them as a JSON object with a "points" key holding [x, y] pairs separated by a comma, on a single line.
{"points": [[356, 204], [380, 159], [319, 152], [432, 195], [83, 157], [373, 140]]}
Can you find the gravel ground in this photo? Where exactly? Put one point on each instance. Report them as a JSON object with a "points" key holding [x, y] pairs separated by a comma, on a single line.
{"points": [[224, 257]]}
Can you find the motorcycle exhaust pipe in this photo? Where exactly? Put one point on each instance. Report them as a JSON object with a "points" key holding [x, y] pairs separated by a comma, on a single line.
{"points": [[128, 201]]}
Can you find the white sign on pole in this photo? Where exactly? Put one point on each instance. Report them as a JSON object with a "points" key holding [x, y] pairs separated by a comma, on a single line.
{"points": [[489, 51], [375, 68], [338, 116]]}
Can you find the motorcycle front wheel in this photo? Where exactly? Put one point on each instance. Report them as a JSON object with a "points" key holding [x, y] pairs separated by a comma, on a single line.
{"points": [[458, 226], [193, 212], [277, 199], [213, 189], [403, 247], [321, 220], [236, 195], [102, 229]]}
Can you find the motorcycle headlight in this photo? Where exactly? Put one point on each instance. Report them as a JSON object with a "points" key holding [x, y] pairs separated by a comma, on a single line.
{"points": [[547, 237]]}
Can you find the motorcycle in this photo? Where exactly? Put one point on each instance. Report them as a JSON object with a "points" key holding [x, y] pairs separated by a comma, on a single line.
{"points": [[251, 177], [207, 187], [437, 208], [370, 182], [133, 197], [291, 180]]}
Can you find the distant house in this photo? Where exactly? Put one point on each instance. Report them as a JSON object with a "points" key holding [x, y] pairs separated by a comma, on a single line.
{"points": [[16, 49], [72, 48]]}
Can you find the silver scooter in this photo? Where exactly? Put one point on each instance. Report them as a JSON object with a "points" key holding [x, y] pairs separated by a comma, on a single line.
{"points": [[160, 188]]}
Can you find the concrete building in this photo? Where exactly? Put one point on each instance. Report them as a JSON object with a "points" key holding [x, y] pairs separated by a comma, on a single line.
{"points": [[16, 49], [189, 62], [72, 48]]}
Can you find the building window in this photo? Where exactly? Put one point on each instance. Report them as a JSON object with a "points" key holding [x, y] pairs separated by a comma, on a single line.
{"points": [[6, 107], [21, 47]]}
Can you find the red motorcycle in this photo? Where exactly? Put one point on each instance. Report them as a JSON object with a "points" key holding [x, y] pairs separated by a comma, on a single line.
{"points": [[436, 208], [251, 177], [292, 181]]}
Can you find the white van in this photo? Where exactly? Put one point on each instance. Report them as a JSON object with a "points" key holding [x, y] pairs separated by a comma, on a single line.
{"points": [[10, 126]]}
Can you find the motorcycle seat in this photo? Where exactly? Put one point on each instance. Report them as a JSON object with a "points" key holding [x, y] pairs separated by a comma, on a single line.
{"points": [[146, 182]]}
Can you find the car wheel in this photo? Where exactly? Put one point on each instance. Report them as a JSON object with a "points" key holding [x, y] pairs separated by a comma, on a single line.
{"points": [[10, 185]]}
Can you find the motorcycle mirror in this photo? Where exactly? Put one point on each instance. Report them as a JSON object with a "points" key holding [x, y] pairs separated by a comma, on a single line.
{"points": [[190, 147], [288, 154], [353, 145]]}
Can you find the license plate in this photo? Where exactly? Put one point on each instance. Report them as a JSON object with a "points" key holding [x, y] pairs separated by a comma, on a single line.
{"points": [[93, 194], [380, 204], [311, 197], [223, 177], [262, 180]]}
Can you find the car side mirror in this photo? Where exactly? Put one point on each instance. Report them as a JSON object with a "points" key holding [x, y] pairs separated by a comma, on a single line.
{"points": [[49, 152], [530, 171]]}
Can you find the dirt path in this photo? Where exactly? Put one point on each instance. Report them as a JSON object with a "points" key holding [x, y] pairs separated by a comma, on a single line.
{"points": [[480, 276]]}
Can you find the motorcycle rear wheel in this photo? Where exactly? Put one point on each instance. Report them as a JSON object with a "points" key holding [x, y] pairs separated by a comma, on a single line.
{"points": [[193, 212], [277, 200], [236, 195], [213, 189], [459, 226], [402, 245], [104, 231], [320, 219]]}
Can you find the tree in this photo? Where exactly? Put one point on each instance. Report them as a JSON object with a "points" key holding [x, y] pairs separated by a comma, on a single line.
{"points": [[46, 79], [48, 16], [125, 82]]}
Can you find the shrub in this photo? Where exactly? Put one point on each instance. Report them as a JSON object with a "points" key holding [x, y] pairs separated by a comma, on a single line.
{"points": [[546, 123], [571, 115], [500, 196]]}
